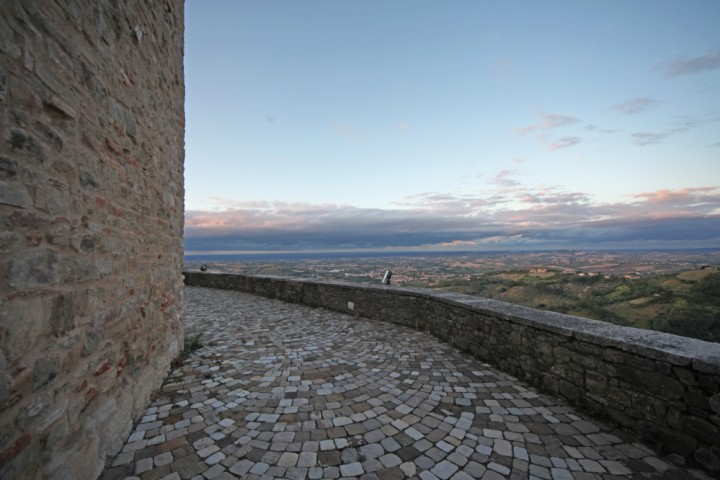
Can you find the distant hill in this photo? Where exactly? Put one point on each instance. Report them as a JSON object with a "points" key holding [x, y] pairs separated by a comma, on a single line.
{"points": [[686, 303]]}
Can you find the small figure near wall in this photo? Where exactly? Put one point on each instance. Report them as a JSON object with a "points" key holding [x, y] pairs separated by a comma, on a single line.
{"points": [[387, 277], [203, 268]]}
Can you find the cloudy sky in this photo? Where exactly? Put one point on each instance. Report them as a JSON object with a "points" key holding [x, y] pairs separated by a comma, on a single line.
{"points": [[466, 125]]}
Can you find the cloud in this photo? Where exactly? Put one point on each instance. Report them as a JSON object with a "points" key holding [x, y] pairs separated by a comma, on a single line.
{"points": [[564, 142], [497, 217], [684, 124], [504, 178], [690, 65], [548, 121], [349, 130], [649, 138], [684, 197], [637, 105]]}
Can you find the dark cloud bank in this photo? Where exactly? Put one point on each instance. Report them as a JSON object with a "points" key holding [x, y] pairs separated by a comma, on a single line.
{"points": [[512, 219]]}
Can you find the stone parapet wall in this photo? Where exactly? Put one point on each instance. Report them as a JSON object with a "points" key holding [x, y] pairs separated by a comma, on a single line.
{"points": [[91, 221], [665, 387]]}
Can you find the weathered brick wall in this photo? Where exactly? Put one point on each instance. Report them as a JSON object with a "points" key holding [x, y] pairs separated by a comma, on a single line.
{"points": [[665, 387], [91, 218]]}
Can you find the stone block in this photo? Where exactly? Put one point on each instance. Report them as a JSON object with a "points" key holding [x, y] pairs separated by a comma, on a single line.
{"points": [[33, 411], [8, 168], [14, 194], [62, 314], [595, 383], [32, 268], [708, 383], [24, 321], [5, 382], [9, 241], [663, 386], [46, 370], [672, 440], [58, 233], [18, 140], [630, 375], [696, 398], [702, 429], [676, 419], [709, 457], [570, 391], [715, 403]]}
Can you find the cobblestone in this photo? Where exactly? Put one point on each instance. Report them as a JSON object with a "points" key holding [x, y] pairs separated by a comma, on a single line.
{"points": [[288, 391]]}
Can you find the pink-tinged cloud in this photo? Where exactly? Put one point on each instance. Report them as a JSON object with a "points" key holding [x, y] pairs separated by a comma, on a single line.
{"points": [[637, 105], [682, 197], [564, 142], [535, 217], [548, 121], [691, 65]]}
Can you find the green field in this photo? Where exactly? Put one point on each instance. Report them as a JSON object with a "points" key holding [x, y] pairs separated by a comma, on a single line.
{"points": [[686, 304]]}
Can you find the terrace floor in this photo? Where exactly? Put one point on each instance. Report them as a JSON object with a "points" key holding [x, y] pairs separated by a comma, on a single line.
{"points": [[288, 391]]}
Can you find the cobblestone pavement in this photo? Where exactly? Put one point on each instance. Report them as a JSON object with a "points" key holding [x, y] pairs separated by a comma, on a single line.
{"points": [[287, 391]]}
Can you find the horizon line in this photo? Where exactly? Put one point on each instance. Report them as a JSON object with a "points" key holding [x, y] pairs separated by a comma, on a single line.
{"points": [[425, 251]]}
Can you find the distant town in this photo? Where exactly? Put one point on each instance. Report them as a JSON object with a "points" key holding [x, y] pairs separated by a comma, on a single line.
{"points": [[669, 290]]}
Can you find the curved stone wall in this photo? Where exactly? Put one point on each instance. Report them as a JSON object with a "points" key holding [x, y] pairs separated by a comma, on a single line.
{"points": [[665, 387], [91, 222]]}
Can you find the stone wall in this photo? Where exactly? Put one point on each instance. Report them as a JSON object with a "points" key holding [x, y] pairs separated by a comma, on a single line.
{"points": [[91, 219], [665, 387]]}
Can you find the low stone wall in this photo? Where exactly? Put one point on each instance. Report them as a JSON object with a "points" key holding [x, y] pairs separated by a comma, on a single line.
{"points": [[664, 387]]}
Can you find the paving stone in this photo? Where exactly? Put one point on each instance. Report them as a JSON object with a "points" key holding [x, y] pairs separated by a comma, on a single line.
{"points": [[462, 476], [372, 465], [427, 476], [390, 460], [390, 444], [499, 468], [351, 469], [287, 391], [474, 469], [444, 469], [315, 473], [615, 467], [215, 458], [503, 447], [259, 468], [540, 472], [307, 459], [329, 458], [242, 467], [560, 474], [288, 459], [143, 465], [163, 459]]}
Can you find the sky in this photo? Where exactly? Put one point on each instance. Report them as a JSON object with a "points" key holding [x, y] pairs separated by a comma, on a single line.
{"points": [[415, 125]]}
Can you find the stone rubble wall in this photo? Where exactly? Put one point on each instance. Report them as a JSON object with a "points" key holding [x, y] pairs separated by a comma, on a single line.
{"points": [[91, 222], [665, 387]]}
